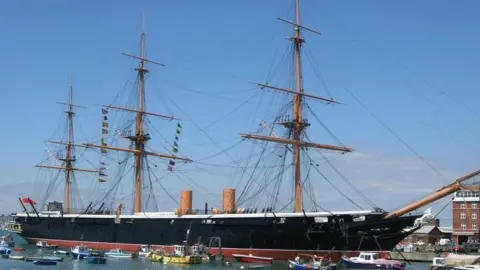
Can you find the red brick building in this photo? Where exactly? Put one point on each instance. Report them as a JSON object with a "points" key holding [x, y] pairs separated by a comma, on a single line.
{"points": [[466, 215]]}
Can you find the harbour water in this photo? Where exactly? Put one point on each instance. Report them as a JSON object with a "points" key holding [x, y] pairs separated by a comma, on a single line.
{"points": [[129, 264], [124, 263]]}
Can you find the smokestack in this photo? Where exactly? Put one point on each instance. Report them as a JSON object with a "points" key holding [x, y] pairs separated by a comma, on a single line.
{"points": [[185, 201], [228, 199]]}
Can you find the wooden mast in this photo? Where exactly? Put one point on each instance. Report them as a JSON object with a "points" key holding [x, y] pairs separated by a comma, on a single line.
{"points": [[140, 138], [69, 158], [298, 123]]}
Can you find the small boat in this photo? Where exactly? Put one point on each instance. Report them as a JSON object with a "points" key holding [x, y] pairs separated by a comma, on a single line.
{"points": [[252, 259], [43, 244], [53, 258], [157, 255], [44, 262], [96, 260], [370, 260], [184, 254], [16, 257], [308, 261], [61, 252], [13, 227], [80, 252], [437, 263], [117, 253], [45, 258], [31, 259], [144, 250]]}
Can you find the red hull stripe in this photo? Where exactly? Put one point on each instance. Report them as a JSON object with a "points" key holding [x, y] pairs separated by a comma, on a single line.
{"points": [[277, 254]]}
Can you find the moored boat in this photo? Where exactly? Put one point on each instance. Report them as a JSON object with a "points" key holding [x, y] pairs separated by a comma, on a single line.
{"points": [[62, 252], [117, 253], [80, 252], [144, 250], [184, 254], [308, 261], [157, 255], [44, 258], [44, 244], [370, 260], [252, 259], [44, 262], [16, 257], [53, 258]]}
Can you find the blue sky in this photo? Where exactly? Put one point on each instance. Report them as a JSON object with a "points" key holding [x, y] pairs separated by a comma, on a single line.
{"points": [[402, 60]]}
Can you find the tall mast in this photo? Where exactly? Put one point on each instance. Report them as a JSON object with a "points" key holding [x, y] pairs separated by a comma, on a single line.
{"points": [[140, 138], [298, 123], [69, 159]]}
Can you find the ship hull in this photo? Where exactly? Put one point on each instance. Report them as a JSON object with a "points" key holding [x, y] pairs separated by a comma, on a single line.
{"points": [[277, 237]]}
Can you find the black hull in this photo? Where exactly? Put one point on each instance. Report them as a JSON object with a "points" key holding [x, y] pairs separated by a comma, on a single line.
{"points": [[279, 233]]}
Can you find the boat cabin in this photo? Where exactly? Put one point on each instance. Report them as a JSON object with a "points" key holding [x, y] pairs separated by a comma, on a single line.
{"points": [[13, 226], [438, 261], [367, 256], [179, 250]]}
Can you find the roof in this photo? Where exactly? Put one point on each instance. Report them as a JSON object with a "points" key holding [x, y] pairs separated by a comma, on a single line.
{"points": [[446, 229], [425, 229]]}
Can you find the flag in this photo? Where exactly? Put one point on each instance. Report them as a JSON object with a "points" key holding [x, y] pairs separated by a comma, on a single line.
{"points": [[179, 126], [175, 144], [171, 163], [104, 131], [178, 131], [28, 200], [105, 124], [105, 118], [104, 111]]}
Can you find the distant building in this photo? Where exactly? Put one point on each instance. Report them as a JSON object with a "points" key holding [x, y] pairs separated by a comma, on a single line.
{"points": [[429, 234], [465, 214], [446, 231]]}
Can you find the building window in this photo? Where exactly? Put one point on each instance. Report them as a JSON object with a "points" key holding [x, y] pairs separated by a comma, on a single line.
{"points": [[474, 225], [462, 215], [462, 226], [474, 205], [462, 205], [474, 215]]}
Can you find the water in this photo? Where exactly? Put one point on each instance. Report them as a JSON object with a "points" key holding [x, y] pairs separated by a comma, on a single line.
{"points": [[127, 264], [123, 263], [112, 263]]}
